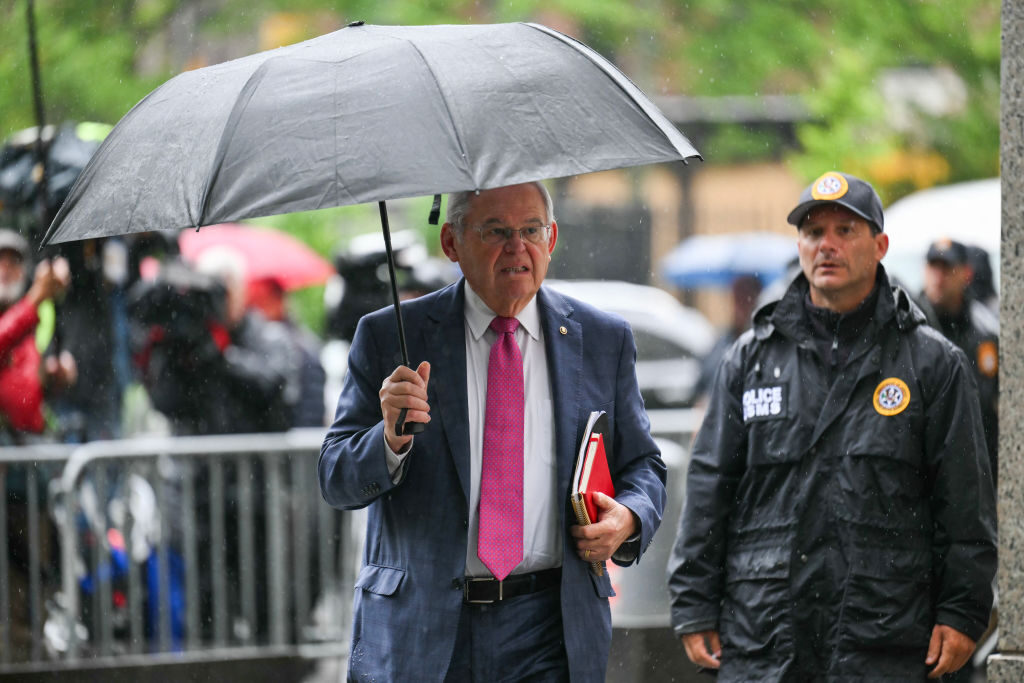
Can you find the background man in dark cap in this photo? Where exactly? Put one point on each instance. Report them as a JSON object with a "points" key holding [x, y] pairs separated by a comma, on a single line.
{"points": [[839, 518], [968, 323]]}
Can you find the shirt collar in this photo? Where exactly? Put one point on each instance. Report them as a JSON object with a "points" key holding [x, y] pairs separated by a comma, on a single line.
{"points": [[479, 315]]}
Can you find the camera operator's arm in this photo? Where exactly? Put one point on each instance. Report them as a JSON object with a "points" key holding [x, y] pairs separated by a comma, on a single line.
{"points": [[51, 278]]}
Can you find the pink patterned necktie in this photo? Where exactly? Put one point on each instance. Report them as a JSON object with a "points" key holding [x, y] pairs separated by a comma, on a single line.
{"points": [[500, 542]]}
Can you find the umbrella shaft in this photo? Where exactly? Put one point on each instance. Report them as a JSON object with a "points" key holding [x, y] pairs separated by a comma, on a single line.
{"points": [[394, 284], [37, 101]]}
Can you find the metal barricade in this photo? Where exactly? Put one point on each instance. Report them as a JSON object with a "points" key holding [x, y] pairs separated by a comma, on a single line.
{"points": [[191, 549], [29, 563], [220, 548]]}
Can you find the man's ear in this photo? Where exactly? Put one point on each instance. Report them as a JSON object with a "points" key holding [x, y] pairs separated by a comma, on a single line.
{"points": [[448, 243], [554, 237], [882, 244]]}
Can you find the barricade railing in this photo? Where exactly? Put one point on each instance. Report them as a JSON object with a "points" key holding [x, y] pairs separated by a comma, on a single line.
{"points": [[200, 546], [27, 564], [152, 550]]}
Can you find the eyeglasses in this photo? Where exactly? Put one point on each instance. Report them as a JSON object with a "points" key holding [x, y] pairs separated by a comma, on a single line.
{"points": [[494, 234]]}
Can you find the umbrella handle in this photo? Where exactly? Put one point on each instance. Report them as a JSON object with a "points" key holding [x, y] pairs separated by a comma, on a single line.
{"points": [[402, 428]]}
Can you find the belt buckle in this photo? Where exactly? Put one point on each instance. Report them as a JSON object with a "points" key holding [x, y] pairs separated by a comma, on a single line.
{"points": [[465, 591]]}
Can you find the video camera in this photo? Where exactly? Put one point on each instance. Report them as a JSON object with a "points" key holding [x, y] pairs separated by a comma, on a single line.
{"points": [[180, 301], [173, 318]]}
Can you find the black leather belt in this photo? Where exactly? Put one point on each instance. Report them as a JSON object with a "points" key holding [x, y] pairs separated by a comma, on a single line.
{"points": [[484, 591]]}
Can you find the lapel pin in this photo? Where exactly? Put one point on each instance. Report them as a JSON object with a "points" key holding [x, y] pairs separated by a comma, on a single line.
{"points": [[563, 330]]}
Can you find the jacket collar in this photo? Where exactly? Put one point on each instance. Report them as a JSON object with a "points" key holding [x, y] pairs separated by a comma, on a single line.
{"points": [[786, 314]]}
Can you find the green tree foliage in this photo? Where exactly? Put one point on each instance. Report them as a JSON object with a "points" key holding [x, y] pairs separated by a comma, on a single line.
{"points": [[833, 54]]}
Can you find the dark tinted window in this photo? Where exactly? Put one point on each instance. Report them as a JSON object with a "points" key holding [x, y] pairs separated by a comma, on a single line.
{"points": [[653, 347]]}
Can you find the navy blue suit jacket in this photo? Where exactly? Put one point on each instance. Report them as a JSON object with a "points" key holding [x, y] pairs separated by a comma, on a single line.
{"points": [[408, 595]]}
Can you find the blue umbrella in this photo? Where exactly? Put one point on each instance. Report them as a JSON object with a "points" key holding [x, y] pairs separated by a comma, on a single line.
{"points": [[717, 260]]}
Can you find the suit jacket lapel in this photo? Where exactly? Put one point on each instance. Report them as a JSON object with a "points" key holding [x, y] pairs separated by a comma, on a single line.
{"points": [[445, 339], [563, 342]]}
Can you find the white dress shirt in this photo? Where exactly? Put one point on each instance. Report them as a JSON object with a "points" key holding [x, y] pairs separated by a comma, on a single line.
{"points": [[542, 533]]}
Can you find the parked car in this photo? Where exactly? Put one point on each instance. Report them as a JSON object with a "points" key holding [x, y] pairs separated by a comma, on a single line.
{"points": [[969, 212], [671, 339]]}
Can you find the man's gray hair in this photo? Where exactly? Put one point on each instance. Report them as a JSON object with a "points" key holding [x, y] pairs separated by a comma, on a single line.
{"points": [[458, 206]]}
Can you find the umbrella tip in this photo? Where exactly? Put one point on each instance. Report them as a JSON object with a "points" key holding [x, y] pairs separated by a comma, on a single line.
{"points": [[356, 23]]}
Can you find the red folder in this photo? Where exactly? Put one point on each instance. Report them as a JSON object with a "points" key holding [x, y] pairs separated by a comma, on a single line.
{"points": [[591, 474]]}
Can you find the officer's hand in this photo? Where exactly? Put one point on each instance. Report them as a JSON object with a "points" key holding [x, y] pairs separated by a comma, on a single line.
{"points": [[950, 648], [703, 648], [404, 388], [598, 541]]}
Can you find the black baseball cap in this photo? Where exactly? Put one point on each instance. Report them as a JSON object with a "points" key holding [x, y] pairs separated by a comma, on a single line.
{"points": [[846, 190], [948, 251]]}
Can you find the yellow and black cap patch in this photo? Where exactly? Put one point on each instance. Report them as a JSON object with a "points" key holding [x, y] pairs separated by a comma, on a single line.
{"points": [[892, 396], [844, 189], [830, 186]]}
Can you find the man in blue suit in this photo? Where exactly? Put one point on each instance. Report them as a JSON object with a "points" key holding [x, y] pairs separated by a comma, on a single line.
{"points": [[426, 606]]}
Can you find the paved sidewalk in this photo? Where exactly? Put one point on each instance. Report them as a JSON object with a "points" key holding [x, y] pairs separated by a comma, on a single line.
{"points": [[327, 670]]}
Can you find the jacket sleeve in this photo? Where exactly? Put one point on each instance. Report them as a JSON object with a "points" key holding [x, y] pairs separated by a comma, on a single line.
{"points": [[640, 476], [962, 503], [696, 568], [353, 468], [17, 321]]}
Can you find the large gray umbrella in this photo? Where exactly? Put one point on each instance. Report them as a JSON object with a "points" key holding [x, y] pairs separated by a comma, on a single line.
{"points": [[365, 114]]}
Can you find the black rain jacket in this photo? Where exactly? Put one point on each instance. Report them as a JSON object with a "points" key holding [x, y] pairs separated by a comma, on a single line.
{"points": [[834, 515]]}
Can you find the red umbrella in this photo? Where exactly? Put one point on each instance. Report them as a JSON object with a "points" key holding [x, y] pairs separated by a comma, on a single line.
{"points": [[268, 253]]}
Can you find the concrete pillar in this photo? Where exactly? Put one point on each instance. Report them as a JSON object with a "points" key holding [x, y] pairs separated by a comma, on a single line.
{"points": [[1008, 666]]}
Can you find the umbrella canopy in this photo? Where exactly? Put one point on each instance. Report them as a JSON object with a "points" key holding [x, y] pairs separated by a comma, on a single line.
{"points": [[268, 254], [717, 260], [367, 113]]}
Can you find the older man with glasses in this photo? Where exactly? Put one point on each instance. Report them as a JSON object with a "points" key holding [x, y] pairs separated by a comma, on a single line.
{"points": [[473, 569]]}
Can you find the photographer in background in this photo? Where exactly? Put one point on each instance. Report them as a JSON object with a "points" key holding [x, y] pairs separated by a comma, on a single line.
{"points": [[209, 365], [24, 376], [212, 366]]}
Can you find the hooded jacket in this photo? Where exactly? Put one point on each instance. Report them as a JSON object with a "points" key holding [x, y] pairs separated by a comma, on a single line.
{"points": [[836, 510], [975, 329]]}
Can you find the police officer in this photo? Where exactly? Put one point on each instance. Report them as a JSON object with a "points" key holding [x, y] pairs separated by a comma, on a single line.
{"points": [[839, 518], [968, 323]]}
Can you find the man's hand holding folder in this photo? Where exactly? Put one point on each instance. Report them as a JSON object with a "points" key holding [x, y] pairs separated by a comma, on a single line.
{"points": [[603, 523], [602, 538]]}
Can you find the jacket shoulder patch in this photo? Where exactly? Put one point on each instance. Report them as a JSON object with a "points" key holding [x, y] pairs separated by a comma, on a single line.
{"points": [[892, 396], [988, 358]]}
